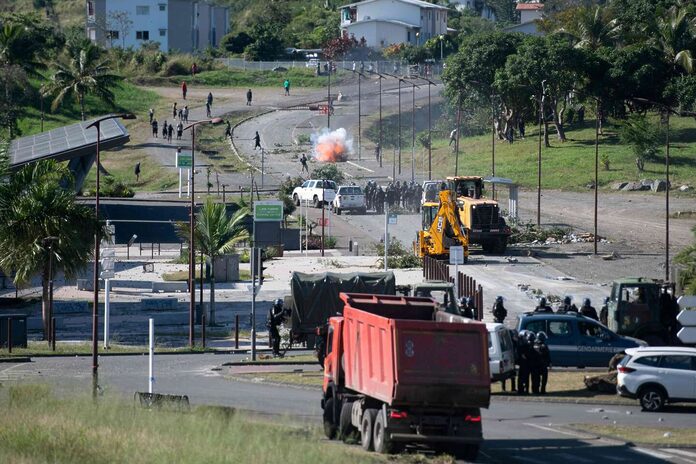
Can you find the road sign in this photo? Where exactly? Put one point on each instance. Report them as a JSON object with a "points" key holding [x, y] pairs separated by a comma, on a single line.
{"points": [[456, 255], [393, 219], [687, 301], [687, 318], [106, 274], [184, 160], [268, 211], [687, 335]]}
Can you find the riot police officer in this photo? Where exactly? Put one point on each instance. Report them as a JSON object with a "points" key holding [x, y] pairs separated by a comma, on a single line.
{"points": [[544, 360], [275, 318], [588, 310], [568, 306], [542, 307], [499, 311]]}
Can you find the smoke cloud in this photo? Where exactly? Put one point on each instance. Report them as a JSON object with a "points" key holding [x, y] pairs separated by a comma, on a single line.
{"points": [[332, 147]]}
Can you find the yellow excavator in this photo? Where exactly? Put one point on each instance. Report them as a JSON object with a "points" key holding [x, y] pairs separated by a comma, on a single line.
{"points": [[441, 228]]}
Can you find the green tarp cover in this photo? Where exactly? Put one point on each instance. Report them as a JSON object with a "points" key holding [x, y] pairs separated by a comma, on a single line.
{"points": [[315, 296]]}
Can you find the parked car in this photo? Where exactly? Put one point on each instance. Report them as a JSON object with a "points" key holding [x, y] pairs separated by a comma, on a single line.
{"points": [[349, 198], [658, 375], [575, 340], [313, 191], [501, 356]]}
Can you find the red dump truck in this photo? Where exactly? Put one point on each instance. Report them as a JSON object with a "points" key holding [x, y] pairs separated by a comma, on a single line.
{"points": [[398, 371]]}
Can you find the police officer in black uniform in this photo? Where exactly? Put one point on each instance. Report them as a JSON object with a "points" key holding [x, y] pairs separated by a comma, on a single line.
{"points": [[588, 310], [499, 311], [544, 356], [275, 318], [542, 307]]}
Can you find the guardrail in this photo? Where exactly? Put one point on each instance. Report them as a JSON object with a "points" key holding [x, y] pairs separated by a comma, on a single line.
{"points": [[434, 269]]}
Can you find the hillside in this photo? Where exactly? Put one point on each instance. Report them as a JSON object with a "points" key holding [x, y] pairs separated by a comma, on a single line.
{"points": [[65, 13]]}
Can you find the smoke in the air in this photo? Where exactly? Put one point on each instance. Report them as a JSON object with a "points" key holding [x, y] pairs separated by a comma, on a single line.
{"points": [[332, 146]]}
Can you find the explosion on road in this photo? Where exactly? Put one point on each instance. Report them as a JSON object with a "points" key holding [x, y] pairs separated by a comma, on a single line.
{"points": [[332, 147]]}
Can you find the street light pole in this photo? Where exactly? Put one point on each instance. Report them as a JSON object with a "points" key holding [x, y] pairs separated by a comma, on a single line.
{"points": [[456, 142], [596, 172], [413, 132], [192, 226], [328, 100], [541, 118], [667, 199], [430, 130], [493, 144], [95, 281]]}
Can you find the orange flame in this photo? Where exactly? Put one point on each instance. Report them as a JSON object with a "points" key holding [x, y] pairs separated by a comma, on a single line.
{"points": [[331, 151]]}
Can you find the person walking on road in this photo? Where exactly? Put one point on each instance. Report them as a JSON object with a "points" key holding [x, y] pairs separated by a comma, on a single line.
{"points": [[544, 354], [228, 130], [248, 95], [534, 362], [453, 137], [210, 99], [257, 140], [303, 161], [184, 89], [179, 130], [170, 132], [499, 311], [186, 113], [152, 115], [137, 171], [523, 349], [155, 129], [207, 110], [174, 111], [164, 129], [286, 86], [275, 318]]}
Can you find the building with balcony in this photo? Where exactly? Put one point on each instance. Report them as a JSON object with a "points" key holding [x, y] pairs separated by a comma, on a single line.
{"points": [[530, 13], [183, 25], [386, 22]]}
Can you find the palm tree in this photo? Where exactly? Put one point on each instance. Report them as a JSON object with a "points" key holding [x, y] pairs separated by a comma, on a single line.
{"points": [[85, 73], [594, 28], [675, 33], [33, 206], [216, 234]]}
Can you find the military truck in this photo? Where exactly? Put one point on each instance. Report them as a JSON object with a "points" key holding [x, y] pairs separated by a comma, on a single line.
{"points": [[479, 216], [645, 309]]}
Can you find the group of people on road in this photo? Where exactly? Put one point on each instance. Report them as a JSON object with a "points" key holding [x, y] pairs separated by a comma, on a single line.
{"points": [[406, 195], [534, 360], [568, 306], [167, 129]]}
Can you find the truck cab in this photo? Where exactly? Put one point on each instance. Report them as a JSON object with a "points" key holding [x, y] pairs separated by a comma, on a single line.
{"points": [[642, 308], [441, 292]]}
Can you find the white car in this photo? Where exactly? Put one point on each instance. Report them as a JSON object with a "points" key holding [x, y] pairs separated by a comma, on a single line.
{"points": [[657, 375], [501, 355], [313, 192], [349, 198]]}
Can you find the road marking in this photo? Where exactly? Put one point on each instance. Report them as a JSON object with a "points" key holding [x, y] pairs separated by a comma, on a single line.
{"points": [[359, 167], [551, 429], [654, 454], [679, 451]]}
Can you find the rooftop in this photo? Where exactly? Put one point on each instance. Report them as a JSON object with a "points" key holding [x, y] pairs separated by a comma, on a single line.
{"points": [[419, 3], [529, 6]]}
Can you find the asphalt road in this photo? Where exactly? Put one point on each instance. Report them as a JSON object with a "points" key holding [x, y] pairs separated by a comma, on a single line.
{"points": [[514, 431]]}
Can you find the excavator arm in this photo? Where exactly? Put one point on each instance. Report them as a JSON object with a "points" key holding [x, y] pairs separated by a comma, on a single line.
{"points": [[444, 229]]}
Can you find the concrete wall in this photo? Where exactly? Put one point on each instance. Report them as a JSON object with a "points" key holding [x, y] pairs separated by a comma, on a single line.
{"points": [[390, 9], [180, 26], [380, 34]]}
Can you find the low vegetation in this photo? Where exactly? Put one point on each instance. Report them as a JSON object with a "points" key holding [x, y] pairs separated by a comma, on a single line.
{"points": [[76, 430], [398, 256], [655, 436]]}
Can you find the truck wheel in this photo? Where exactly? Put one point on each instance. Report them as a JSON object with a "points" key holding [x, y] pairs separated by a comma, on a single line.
{"points": [[346, 430], [380, 436], [329, 418], [366, 425]]}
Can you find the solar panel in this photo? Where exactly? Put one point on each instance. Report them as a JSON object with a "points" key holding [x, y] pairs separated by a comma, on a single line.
{"points": [[68, 142]]}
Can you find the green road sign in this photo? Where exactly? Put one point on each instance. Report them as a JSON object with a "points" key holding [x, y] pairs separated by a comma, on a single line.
{"points": [[393, 219], [184, 160], [268, 211]]}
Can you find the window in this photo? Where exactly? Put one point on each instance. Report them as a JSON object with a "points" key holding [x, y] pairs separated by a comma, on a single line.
{"points": [[329, 341], [536, 326], [162, 6], [163, 32], [90, 8], [142, 10], [590, 330], [92, 33], [408, 36], [505, 340], [652, 361], [559, 329], [680, 362], [142, 35], [112, 34]]}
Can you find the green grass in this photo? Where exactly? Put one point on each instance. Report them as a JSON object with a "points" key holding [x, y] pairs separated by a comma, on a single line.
{"points": [[64, 349], [76, 430], [569, 165], [643, 435], [299, 77]]}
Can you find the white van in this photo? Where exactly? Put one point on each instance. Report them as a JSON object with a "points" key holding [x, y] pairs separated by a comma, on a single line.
{"points": [[501, 355]]}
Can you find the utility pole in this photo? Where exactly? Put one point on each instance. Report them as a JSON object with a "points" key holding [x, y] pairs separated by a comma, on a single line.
{"points": [[456, 142], [328, 100], [541, 119]]}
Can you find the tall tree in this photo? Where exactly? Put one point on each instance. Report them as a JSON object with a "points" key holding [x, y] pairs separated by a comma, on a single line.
{"points": [[216, 234], [86, 72], [33, 206], [675, 37], [592, 28]]}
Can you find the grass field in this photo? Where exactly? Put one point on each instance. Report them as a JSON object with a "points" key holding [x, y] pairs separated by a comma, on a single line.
{"points": [[64, 349], [76, 430], [643, 435], [299, 77]]}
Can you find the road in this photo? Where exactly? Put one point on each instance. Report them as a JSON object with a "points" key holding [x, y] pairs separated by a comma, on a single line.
{"points": [[514, 431]]}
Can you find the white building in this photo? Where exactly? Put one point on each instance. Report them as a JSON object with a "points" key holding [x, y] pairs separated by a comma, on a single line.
{"points": [[486, 11], [183, 25], [530, 13], [386, 22]]}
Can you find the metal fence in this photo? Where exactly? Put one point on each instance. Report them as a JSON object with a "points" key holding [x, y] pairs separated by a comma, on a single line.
{"points": [[397, 67], [434, 269]]}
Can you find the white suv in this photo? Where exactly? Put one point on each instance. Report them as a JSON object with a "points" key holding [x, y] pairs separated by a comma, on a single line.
{"points": [[349, 198], [312, 191], [657, 375]]}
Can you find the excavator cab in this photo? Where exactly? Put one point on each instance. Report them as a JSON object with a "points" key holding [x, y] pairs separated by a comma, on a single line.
{"points": [[469, 186], [440, 229]]}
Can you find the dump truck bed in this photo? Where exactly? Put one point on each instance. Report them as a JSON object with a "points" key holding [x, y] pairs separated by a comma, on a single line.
{"points": [[396, 352]]}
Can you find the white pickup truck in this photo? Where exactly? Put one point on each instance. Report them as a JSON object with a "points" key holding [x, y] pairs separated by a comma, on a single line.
{"points": [[312, 191]]}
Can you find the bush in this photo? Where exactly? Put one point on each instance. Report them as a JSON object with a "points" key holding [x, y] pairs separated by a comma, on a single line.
{"points": [[526, 233], [329, 172], [288, 185], [313, 242], [642, 135], [288, 205], [398, 256]]}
